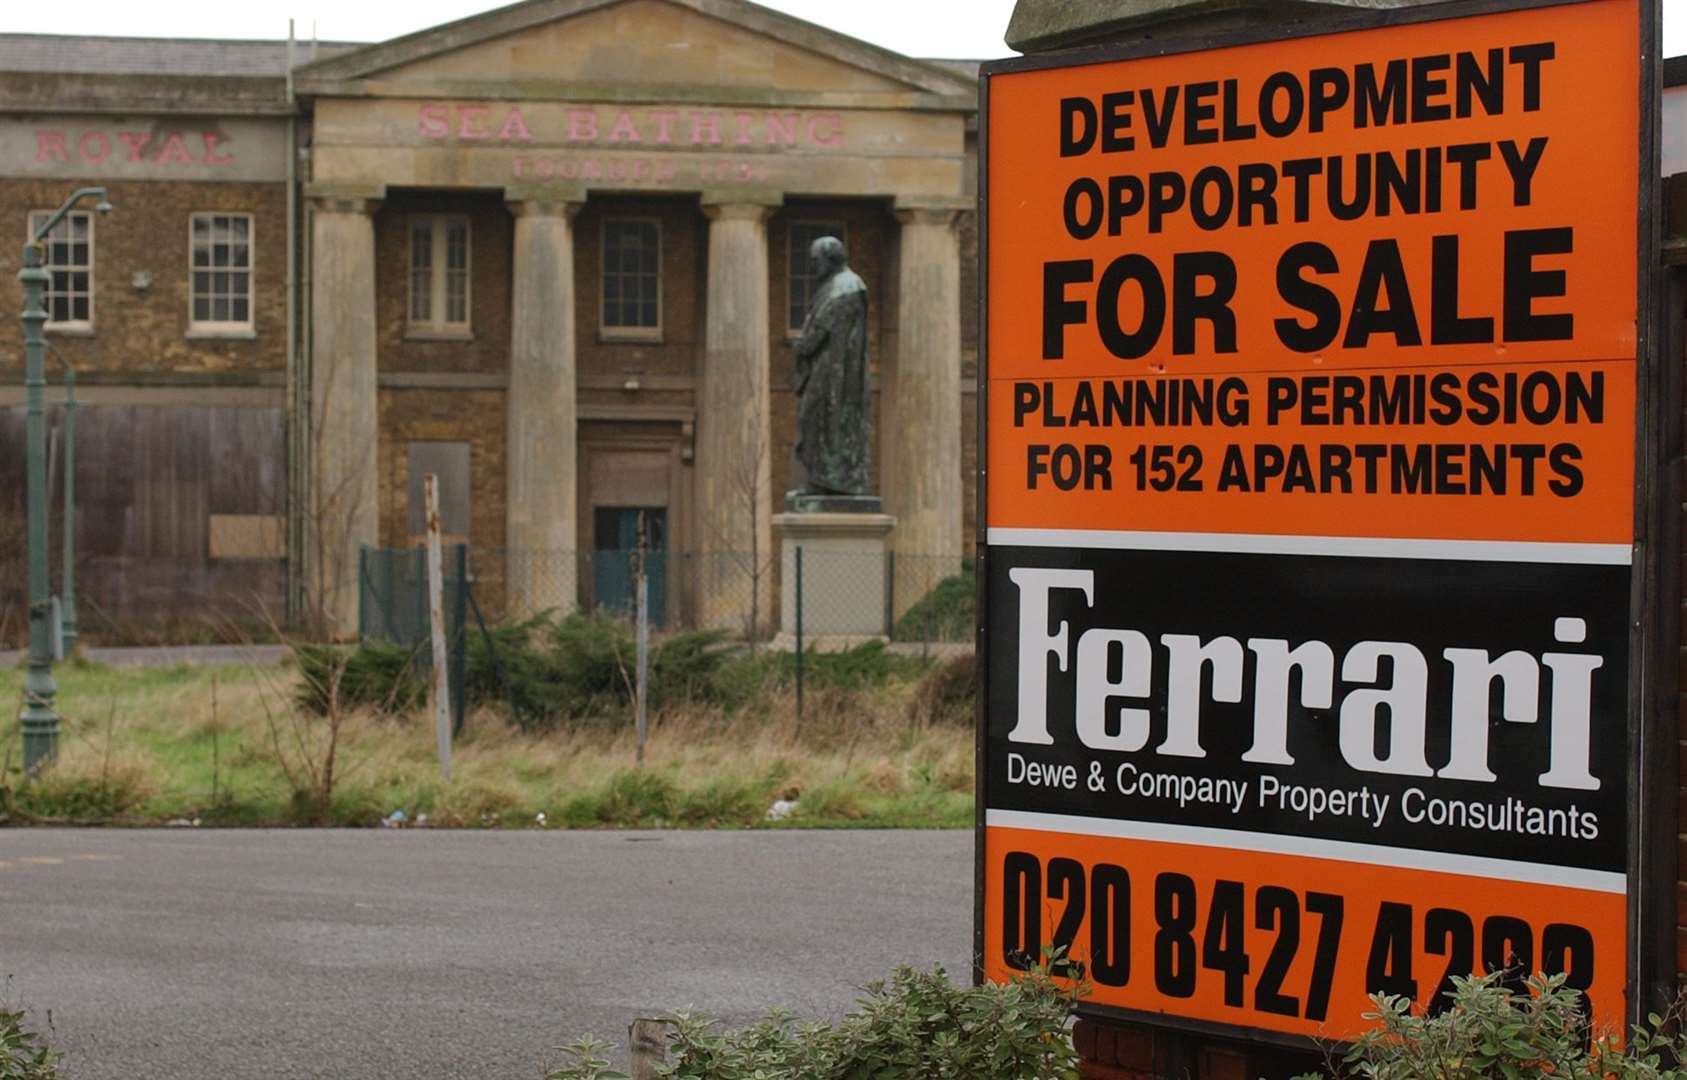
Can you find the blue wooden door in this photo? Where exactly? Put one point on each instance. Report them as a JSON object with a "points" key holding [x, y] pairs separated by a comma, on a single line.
{"points": [[616, 531]]}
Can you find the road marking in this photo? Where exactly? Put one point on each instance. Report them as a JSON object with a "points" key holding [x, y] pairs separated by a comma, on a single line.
{"points": [[57, 860]]}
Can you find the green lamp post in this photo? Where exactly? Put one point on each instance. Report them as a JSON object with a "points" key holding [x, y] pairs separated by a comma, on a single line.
{"points": [[67, 564], [40, 724]]}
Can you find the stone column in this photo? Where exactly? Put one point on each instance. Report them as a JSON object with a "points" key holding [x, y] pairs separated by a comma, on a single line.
{"points": [[344, 509], [734, 439], [541, 447], [921, 406]]}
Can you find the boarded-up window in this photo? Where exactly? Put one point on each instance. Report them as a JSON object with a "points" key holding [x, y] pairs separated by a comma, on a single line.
{"points": [[450, 462], [248, 536]]}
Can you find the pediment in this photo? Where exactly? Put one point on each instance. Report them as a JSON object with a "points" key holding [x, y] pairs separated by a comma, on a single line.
{"points": [[627, 49]]}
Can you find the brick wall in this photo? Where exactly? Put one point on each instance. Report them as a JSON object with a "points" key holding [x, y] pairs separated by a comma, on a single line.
{"points": [[144, 328], [491, 247], [684, 273], [154, 470], [427, 415], [445, 414]]}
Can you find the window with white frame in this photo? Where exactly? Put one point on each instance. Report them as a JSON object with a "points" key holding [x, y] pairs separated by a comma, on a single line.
{"points": [[439, 273], [632, 277], [70, 265], [221, 285], [799, 277]]}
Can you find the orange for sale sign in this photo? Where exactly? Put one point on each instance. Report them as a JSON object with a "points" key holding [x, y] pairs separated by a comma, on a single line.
{"points": [[1310, 393]]}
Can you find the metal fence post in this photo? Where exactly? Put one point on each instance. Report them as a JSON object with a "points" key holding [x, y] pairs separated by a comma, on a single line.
{"points": [[365, 592], [799, 633], [642, 692], [436, 618], [67, 582], [460, 641], [890, 593]]}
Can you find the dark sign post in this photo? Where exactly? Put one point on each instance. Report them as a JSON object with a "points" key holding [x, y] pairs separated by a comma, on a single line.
{"points": [[1315, 560]]}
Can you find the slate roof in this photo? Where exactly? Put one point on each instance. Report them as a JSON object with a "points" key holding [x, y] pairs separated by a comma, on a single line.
{"points": [[87, 54]]}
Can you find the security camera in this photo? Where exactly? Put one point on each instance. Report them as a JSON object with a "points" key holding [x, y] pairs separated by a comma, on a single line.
{"points": [[103, 207]]}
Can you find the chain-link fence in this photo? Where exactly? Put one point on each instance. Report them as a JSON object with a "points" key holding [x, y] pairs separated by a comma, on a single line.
{"points": [[392, 588], [846, 594], [821, 595]]}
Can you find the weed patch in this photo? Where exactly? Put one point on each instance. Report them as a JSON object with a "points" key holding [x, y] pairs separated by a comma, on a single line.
{"points": [[914, 1024], [948, 694], [24, 1055], [236, 747]]}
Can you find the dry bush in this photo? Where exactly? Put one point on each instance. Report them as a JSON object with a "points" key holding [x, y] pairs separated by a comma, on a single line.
{"points": [[91, 781], [948, 694]]}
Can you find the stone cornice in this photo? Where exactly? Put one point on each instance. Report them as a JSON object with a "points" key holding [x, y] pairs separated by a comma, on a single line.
{"points": [[551, 200], [337, 198], [741, 202], [609, 93], [930, 205], [335, 74], [36, 93]]}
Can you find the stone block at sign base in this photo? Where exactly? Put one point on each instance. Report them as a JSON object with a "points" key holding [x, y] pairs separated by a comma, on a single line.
{"points": [[845, 577]]}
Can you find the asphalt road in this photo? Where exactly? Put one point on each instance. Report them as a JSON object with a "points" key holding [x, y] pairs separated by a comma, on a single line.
{"points": [[223, 955]]}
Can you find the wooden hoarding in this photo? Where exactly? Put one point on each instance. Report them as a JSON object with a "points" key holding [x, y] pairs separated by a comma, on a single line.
{"points": [[1310, 399]]}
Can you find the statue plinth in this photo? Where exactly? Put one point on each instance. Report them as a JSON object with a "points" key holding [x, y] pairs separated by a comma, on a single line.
{"points": [[803, 503], [845, 570]]}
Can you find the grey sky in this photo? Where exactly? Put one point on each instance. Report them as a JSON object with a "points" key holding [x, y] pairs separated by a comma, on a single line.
{"points": [[955, 28]]}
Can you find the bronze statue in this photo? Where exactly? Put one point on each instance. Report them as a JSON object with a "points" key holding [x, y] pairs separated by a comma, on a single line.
{"points": [[831, 378]]}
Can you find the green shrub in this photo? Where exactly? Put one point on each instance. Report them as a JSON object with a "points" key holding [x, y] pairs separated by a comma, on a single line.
{"points": [[867, 665], [1492, 1031], [946, 613], [913, 1026], [863, 667], [542, 670], [23, 1055], [687, 666], [582, 669], [374, 674], [594, 658], [509, 671]]}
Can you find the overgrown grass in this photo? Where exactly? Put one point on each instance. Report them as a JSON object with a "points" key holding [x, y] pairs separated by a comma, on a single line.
{"points": [[145, 746], [946, 613]]}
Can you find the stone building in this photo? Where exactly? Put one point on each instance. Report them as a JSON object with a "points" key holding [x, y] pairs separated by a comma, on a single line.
{"points": [[554, 254]]}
